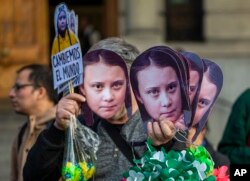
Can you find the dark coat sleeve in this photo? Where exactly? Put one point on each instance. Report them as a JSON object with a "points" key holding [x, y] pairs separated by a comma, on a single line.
{"points": [[237, 131], [44, 160]]}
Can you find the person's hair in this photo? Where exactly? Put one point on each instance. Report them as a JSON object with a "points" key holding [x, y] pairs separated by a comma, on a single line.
{"points": [[215, 75], [159, 57], [195, 61], [41, 76], [111, 58], [195, 64], [126, 50]]}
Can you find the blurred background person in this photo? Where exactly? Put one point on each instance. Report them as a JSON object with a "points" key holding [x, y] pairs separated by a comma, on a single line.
{"points": [[235, 142], [32, 95]]}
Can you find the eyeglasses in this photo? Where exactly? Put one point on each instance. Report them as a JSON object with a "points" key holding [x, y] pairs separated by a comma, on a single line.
{"points": [[17, 86]]}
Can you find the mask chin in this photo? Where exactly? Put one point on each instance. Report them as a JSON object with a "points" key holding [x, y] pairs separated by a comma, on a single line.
{"points": [[120, 115]]}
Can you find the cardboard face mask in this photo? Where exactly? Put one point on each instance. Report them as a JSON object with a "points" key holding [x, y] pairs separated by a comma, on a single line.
{"points": [[210, 89], [184, 72], [106, 86], [195, 78], [160, 86]]}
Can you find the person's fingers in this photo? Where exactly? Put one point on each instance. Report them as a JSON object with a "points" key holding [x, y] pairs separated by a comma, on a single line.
{"points": [[67, 106], [150, 130], [79, 99], [161, 132], [180, 124], [152, 135], [156, 142], [70, 103], [71, 106], [62, 118], [157, 131], [168, 129], [63, 113], [62, 124], [76, 97]]}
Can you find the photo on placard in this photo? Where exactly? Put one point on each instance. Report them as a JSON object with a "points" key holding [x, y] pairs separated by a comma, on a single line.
{"points": [[106, 87], [66, 55], [64, 37], [160, 86], [73, 22]]}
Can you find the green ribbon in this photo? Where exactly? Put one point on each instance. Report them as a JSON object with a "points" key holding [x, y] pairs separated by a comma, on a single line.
{"points": [[194, 163]]}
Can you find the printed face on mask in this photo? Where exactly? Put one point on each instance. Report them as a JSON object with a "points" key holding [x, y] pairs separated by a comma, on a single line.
{"points": [[193, 84], [206, 98], [159, 92], [105, 89]]}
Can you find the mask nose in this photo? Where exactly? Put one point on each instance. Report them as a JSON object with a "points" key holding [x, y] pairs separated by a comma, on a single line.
{"points": [[108, 95], [164, 100]]}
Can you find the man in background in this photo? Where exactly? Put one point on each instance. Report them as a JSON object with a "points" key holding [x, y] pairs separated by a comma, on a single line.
{"points": [[32, 95]]}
